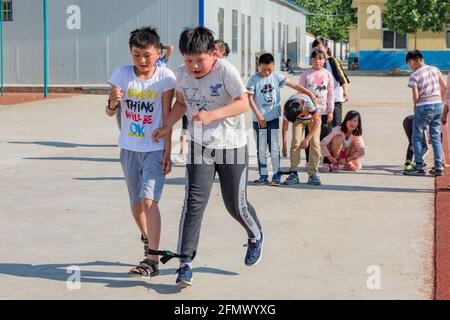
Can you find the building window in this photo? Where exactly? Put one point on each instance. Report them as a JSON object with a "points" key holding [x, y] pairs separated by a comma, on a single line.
{"points": [[447, 36], [273, 38], [221, 23], [7, 10], [262, 34], [279, 37], [394, 40], [234, 32]]}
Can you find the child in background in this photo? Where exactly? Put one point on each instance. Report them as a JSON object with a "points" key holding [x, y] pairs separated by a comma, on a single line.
{"points": [[165, 57], [321, 82], [408, 126], [303, 113], [222, 49], [264, 90], [429, 92], [344, 146], [145, 93]]}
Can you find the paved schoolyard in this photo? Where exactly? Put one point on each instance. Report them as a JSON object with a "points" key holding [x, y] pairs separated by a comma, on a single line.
{"points": [[64, 203]]}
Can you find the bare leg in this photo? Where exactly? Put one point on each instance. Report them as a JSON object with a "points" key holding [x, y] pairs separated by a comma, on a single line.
{"points": [[153, 217], [183, 144], [139, 217], [336, 147]]}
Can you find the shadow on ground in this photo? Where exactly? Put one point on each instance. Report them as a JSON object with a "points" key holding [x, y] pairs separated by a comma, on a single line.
{"points": [[62, 272], [57, 144]]}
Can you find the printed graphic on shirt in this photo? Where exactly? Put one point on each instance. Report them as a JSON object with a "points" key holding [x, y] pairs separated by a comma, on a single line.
{"points": [[267, 91], [139, 108]]}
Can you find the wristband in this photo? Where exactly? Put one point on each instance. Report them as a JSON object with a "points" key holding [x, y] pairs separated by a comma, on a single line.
{"points": [[109, 103]]}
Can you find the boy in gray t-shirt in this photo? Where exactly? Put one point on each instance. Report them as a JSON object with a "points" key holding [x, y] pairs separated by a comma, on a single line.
{"points": [[211, 93]]}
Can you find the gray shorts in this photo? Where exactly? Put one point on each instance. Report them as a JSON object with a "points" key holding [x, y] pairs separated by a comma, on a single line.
{"points": [[143, 174]]}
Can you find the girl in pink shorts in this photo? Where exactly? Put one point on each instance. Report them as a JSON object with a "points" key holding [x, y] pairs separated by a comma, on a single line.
{"points": [[344, 146]]}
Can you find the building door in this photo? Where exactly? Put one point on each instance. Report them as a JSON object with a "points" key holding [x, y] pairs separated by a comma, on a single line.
{"points": [[243, 51], [249, 46]]}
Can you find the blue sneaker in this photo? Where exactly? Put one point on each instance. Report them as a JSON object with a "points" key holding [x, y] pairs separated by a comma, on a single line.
{"points": [[292, 179], [263, 179], [254, 251], [184, 278], [276, 179], [314, 180]]}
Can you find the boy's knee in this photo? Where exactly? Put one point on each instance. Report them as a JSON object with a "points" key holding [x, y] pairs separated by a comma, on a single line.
{"points": [[148, 204]]}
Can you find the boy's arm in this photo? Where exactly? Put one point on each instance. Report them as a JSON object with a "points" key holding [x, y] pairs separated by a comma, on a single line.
{"points": [[237, 107], [177, 112], [415, 95], [169, 51], [315, 127], [115, 96], [445, 114], [300, 88], [444, 88], [259, 116], [167, 105]]}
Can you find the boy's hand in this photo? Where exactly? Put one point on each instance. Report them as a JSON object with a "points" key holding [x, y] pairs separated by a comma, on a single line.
{"points": [[330, 118], [304, 144], [261, 121], [204, 117], [159, 134], [346, 97], [342, 162], [332, 160], [284, 151], [166, 163], [115, 95], [315, 101]]}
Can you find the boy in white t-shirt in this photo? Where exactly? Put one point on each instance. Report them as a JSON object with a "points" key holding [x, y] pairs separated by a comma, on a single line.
{"points": [[144, 93], [211, 93]]}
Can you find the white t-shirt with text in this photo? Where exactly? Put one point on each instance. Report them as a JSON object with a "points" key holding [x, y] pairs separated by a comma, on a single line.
{"points": [[141, 107], [221, 86]]}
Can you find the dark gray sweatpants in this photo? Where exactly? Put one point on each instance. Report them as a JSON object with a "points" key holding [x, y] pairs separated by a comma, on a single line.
{"points": [[232, 168]]}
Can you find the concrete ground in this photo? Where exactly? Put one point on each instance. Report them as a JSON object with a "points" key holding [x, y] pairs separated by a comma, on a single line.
{"points": [[64, 203]]}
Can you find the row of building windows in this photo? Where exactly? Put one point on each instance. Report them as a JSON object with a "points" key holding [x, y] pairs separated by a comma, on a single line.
{"points": [[282, 31], [7, 12], [397, 41]]}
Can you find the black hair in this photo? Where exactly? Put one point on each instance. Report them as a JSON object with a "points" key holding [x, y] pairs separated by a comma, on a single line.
{"points": [[316, 53], [224, 47], [415, 55], [352, 114], [144, 37], [196, 41], [266, 58], [319, 41], [291, 110]]}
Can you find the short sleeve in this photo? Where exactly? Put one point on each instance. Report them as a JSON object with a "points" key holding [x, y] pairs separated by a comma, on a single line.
{"points": [[116, 78], [170, 81], [412, 81], [251, 86], [179, 78], [282, 80], [233, 82], [302, 80]]}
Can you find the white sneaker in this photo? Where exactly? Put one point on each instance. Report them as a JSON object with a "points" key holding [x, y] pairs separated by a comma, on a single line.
{"points": [[181, 159]]}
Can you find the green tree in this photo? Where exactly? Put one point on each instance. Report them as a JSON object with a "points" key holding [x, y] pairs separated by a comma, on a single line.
{"points": [[410, 16], [329, 18]]}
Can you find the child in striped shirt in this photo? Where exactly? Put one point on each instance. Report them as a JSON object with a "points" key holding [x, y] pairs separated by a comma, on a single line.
{"points": [[429, 91]]}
